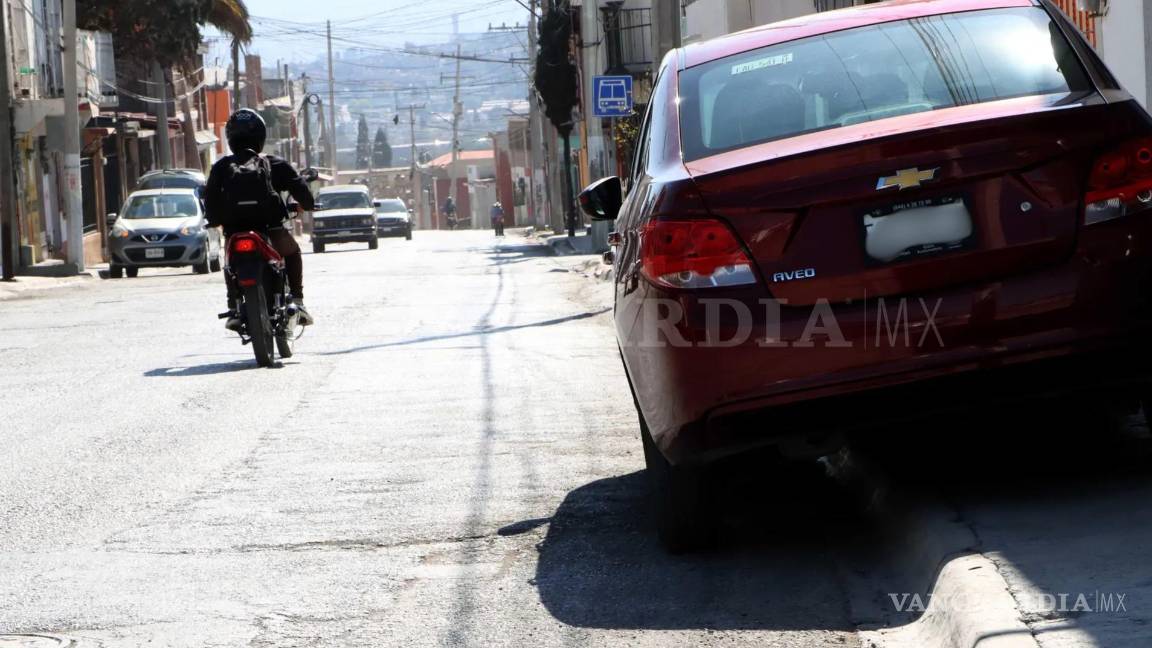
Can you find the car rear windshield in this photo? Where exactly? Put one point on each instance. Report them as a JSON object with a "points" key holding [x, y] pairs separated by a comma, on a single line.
{"points": [[389, 206], [872, 73], [170, 182], [344, 201], [165, 206]]}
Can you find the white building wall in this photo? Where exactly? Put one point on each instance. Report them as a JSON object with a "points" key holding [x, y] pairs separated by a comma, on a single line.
{"points": [[711, 18], [1124, 45]]}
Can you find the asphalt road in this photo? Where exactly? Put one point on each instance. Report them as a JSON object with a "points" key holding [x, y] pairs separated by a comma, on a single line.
{"points": [[452, 459]]}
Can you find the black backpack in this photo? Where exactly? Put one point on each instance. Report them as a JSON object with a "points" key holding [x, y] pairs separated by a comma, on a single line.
{"points": [[249, 196]]}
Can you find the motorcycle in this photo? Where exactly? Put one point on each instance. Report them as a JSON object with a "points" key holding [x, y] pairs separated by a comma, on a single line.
{"points": [[269, 319]]}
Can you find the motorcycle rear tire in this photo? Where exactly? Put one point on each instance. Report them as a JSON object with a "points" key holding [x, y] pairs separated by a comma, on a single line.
{"points": [[259, 325]]}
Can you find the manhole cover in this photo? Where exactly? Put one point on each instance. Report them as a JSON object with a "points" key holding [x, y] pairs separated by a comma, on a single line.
{"points": [[36, 641]]}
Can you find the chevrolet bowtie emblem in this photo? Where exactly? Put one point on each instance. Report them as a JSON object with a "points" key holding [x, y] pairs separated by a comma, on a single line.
{"points": [[907, 179]]}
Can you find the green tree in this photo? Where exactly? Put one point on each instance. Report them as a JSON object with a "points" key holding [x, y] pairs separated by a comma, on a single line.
{"points": [[363, 145], [166, 32], [381, 150], [556, 83]]}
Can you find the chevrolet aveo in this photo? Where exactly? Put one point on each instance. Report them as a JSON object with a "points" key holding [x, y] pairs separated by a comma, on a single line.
{"points": [[870, 214]]}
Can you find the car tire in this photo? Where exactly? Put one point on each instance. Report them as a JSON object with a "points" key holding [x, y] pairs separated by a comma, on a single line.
{"points": [[115, 271], [373, 244], [317, 248], [203, 267], [679, 499], [132, 272], [215, 265]]}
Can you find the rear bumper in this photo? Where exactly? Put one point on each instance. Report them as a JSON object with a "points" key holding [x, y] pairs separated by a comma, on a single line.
{"points": [[1082, 327], [349, 234], [185, 251]]}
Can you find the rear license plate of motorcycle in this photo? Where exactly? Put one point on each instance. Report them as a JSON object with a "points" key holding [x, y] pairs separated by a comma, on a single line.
{"points": [[154, 253], [917, 228]]}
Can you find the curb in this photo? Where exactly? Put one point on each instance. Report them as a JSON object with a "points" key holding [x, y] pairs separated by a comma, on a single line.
{"points": [[969, 604]]}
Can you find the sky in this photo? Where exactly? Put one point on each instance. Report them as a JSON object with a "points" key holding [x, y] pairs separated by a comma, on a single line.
{"points": [[293, 30]]}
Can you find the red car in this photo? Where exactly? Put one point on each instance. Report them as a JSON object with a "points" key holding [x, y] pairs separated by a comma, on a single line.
{"points": [[873, 214]]}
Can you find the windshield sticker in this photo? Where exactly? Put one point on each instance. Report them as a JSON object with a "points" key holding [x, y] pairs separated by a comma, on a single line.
{"points": [[760, 64]]}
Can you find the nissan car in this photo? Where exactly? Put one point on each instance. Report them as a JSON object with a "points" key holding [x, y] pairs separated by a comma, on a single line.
{"points": [[162, 228], [883, 213]]}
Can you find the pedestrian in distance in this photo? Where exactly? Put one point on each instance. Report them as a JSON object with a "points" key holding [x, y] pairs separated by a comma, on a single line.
{"points": [[498, 218]]}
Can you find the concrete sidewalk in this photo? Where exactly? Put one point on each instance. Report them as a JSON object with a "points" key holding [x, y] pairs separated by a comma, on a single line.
{"points": [[29, 285]]}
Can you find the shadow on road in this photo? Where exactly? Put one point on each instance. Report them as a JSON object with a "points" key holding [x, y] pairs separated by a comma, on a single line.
{"points": [[479, 332], [601, 566], [207, 370], [1059, 498]]}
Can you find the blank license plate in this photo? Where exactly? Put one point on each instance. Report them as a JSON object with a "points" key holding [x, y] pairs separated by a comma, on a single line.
{"points": [[344, 233], [917, 228], [154, 253]]}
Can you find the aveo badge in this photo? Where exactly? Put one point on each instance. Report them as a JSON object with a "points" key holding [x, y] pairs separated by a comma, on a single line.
{"points": [[793, 275]]}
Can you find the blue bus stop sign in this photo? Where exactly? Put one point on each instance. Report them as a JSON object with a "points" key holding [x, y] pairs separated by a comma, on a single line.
{"points": [[613, 96]]}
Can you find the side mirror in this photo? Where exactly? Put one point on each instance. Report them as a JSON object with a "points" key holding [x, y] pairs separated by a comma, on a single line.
{"points": [[111, 219], [602, 199]]}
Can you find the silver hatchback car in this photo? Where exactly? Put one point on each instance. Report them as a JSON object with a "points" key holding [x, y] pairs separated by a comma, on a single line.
{"points": [[162, 228]]}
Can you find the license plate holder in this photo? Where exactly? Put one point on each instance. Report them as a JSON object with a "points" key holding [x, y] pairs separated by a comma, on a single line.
{"points": [[918, 228], [153, 253]]}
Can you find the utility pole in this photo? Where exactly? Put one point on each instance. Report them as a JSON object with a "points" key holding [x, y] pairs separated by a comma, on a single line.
{"points": [[457, 111], [73, 198], [309, 100], [534, 136], [412, 108], [163, 144], [293, 145], [8, 230], [235, 75], [331, 107]]}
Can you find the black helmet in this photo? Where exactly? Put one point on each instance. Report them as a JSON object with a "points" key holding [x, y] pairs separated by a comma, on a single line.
{"points": [[245, 131]]}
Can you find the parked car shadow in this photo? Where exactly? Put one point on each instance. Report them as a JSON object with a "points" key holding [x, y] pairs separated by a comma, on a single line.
{"points": [[601, 566]]}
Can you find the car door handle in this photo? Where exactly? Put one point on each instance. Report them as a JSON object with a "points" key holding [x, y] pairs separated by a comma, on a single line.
{"points": [[615, 239]]}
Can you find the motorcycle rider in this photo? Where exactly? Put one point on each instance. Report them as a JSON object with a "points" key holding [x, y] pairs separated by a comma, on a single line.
{"points": [[246, 134]]}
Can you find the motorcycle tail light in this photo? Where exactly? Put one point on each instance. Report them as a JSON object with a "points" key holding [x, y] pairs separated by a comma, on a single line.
{"points": [[244, 245]]}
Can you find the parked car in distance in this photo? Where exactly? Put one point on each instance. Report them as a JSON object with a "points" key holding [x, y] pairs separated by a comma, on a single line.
{"points": [[887, 212], [343, 214], [172, 179], [162, 228], [393, 218]]}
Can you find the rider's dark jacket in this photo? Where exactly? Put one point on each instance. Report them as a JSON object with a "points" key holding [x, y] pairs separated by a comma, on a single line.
{"points": [[284, 178]]}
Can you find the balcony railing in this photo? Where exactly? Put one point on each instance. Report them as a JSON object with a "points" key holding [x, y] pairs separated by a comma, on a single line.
{"points": [[628, 36]]}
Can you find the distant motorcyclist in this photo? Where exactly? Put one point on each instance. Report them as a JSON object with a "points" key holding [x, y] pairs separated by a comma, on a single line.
{"points": [[450, 212], [243, 194]]}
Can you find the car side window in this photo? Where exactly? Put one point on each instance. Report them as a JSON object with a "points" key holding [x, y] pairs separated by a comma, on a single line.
{"points": [[640, 153]]}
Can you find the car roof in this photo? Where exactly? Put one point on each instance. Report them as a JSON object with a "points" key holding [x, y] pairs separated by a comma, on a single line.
{"points": [[344, 188], [831, 21], [173, 191], [173, 172]]}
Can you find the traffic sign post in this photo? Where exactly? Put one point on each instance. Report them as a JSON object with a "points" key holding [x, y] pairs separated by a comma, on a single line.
{"points": [[613, 96]]}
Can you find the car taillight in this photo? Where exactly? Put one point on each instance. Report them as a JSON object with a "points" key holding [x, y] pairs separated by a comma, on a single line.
{"points": [[693, 254], [244, 245], [1121, 183]]}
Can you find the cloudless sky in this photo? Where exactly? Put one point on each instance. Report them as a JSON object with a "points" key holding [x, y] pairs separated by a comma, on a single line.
{"points": [[293, 30]]}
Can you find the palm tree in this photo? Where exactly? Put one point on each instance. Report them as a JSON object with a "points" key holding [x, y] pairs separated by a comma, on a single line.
{"points": [[231, 17]]}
